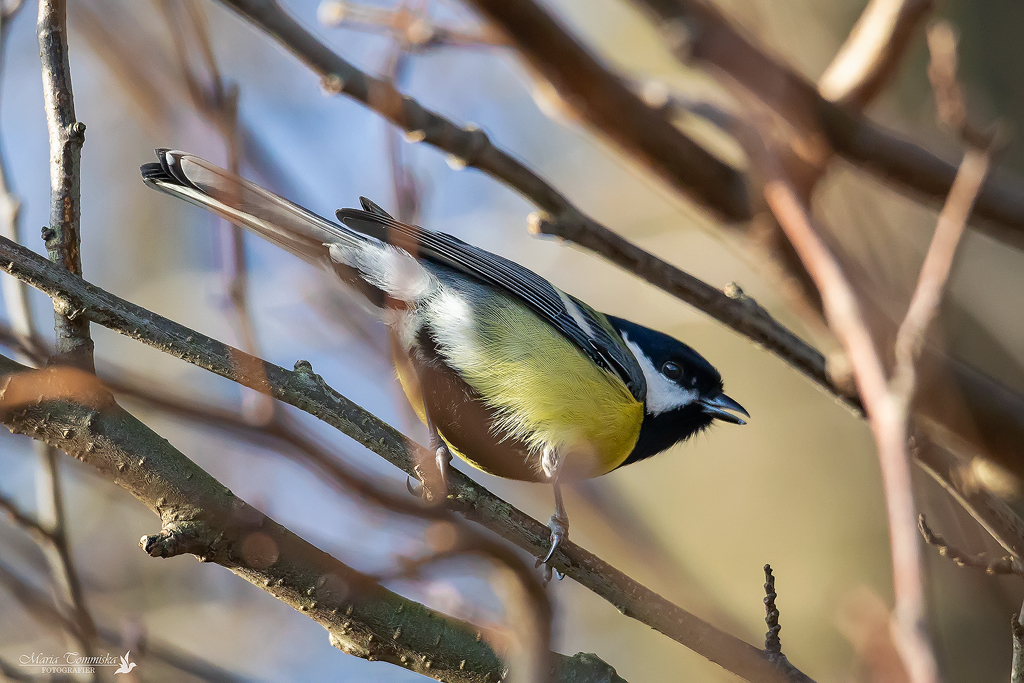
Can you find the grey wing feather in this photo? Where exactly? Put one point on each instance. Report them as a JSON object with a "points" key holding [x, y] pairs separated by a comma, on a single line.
{"points": [[573, 319]]}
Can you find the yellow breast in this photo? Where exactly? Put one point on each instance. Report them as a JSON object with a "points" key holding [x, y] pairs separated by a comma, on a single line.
{"points": [[543, 391]]}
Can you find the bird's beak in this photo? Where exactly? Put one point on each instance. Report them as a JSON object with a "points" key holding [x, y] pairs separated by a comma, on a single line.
{"points": [[719, 406]]}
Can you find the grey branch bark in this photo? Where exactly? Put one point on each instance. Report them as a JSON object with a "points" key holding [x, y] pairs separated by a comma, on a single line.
{"points": [[307, 391], [67, 135], [70, 410]]}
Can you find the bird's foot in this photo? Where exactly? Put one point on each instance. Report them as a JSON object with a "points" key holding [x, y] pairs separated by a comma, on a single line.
{"points": [[420, 488], [559, 525]]}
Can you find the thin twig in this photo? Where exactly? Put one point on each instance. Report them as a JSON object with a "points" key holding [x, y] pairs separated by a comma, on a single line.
{"points": [[697, 30], [1017, 663], [307, 391], [415, 29], [1000, 565], [873, 52], [887, 423], [24, 519]]}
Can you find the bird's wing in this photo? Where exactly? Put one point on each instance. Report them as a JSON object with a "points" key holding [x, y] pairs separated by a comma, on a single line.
{"points": [[580, 324]]}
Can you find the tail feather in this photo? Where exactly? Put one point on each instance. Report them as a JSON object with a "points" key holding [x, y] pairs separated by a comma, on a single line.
{"points": [[248, 205]]}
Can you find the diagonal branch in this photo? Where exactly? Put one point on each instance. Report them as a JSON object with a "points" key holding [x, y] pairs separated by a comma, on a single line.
{"points": [[710, 38], [610, 105], [873, 51], [307, 391], [71, 410]]}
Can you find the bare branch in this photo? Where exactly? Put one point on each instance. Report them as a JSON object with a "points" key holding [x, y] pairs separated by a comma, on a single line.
{"points": [[307, 391], [696, 30], [888, 423], [1001, 565], [558, 216], [605, 101], [71, 410], [1017, 665], [24, 519], [63, 238], [415, 29], [873, 51], [935, 271]]}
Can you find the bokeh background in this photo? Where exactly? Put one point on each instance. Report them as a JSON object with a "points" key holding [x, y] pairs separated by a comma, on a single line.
{"points": [[798, 487]]}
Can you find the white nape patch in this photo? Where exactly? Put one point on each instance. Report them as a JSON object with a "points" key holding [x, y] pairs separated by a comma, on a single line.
{"points": [[575, 313], [386, 267], [663, 394]]}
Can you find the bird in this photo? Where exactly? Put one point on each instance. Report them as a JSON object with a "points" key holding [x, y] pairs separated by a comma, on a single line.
{"points": [[507, 371]]}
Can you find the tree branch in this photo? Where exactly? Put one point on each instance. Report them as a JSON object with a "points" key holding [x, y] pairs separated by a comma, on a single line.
{"points": [[71, 410], [307, 391], [604, 100], [712, 39], [873, 51], [63, 237]]}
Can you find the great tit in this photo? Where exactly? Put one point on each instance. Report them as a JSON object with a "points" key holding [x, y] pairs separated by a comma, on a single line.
{"points": [[509, 372]]}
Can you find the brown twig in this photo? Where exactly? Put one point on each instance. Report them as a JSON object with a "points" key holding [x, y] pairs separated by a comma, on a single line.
{"points": [[696, 30], [772, 644], [1001, 565], [887, 403], [607, 103], [1017, 663], [307, 391], [415, 29], [873, 51]]}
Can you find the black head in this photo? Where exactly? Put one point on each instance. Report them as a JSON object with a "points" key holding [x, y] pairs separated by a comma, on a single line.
{"points": [[684, 391]]}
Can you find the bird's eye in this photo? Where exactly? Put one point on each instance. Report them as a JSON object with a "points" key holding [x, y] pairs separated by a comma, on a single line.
{"points": [[671, 370]]}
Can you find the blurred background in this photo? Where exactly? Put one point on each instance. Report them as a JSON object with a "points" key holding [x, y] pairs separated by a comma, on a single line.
{"points": [[798, 487]]}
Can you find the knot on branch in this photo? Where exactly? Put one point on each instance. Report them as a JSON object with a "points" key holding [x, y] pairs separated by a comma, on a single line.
{"points": [[76, 133], [585, 666], [304, 370], [473, 142], [180, 538]]}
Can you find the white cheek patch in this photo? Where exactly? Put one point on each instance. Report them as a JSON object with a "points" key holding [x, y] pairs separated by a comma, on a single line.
{"points": [[663, 394]]}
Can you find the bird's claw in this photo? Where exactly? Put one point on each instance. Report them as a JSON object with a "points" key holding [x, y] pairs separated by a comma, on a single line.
{"points": [[417, 489], [559, 532]]}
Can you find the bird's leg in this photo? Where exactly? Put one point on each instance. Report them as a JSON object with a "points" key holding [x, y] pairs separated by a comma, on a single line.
{"points": [[442, 457], [551, 464]]}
